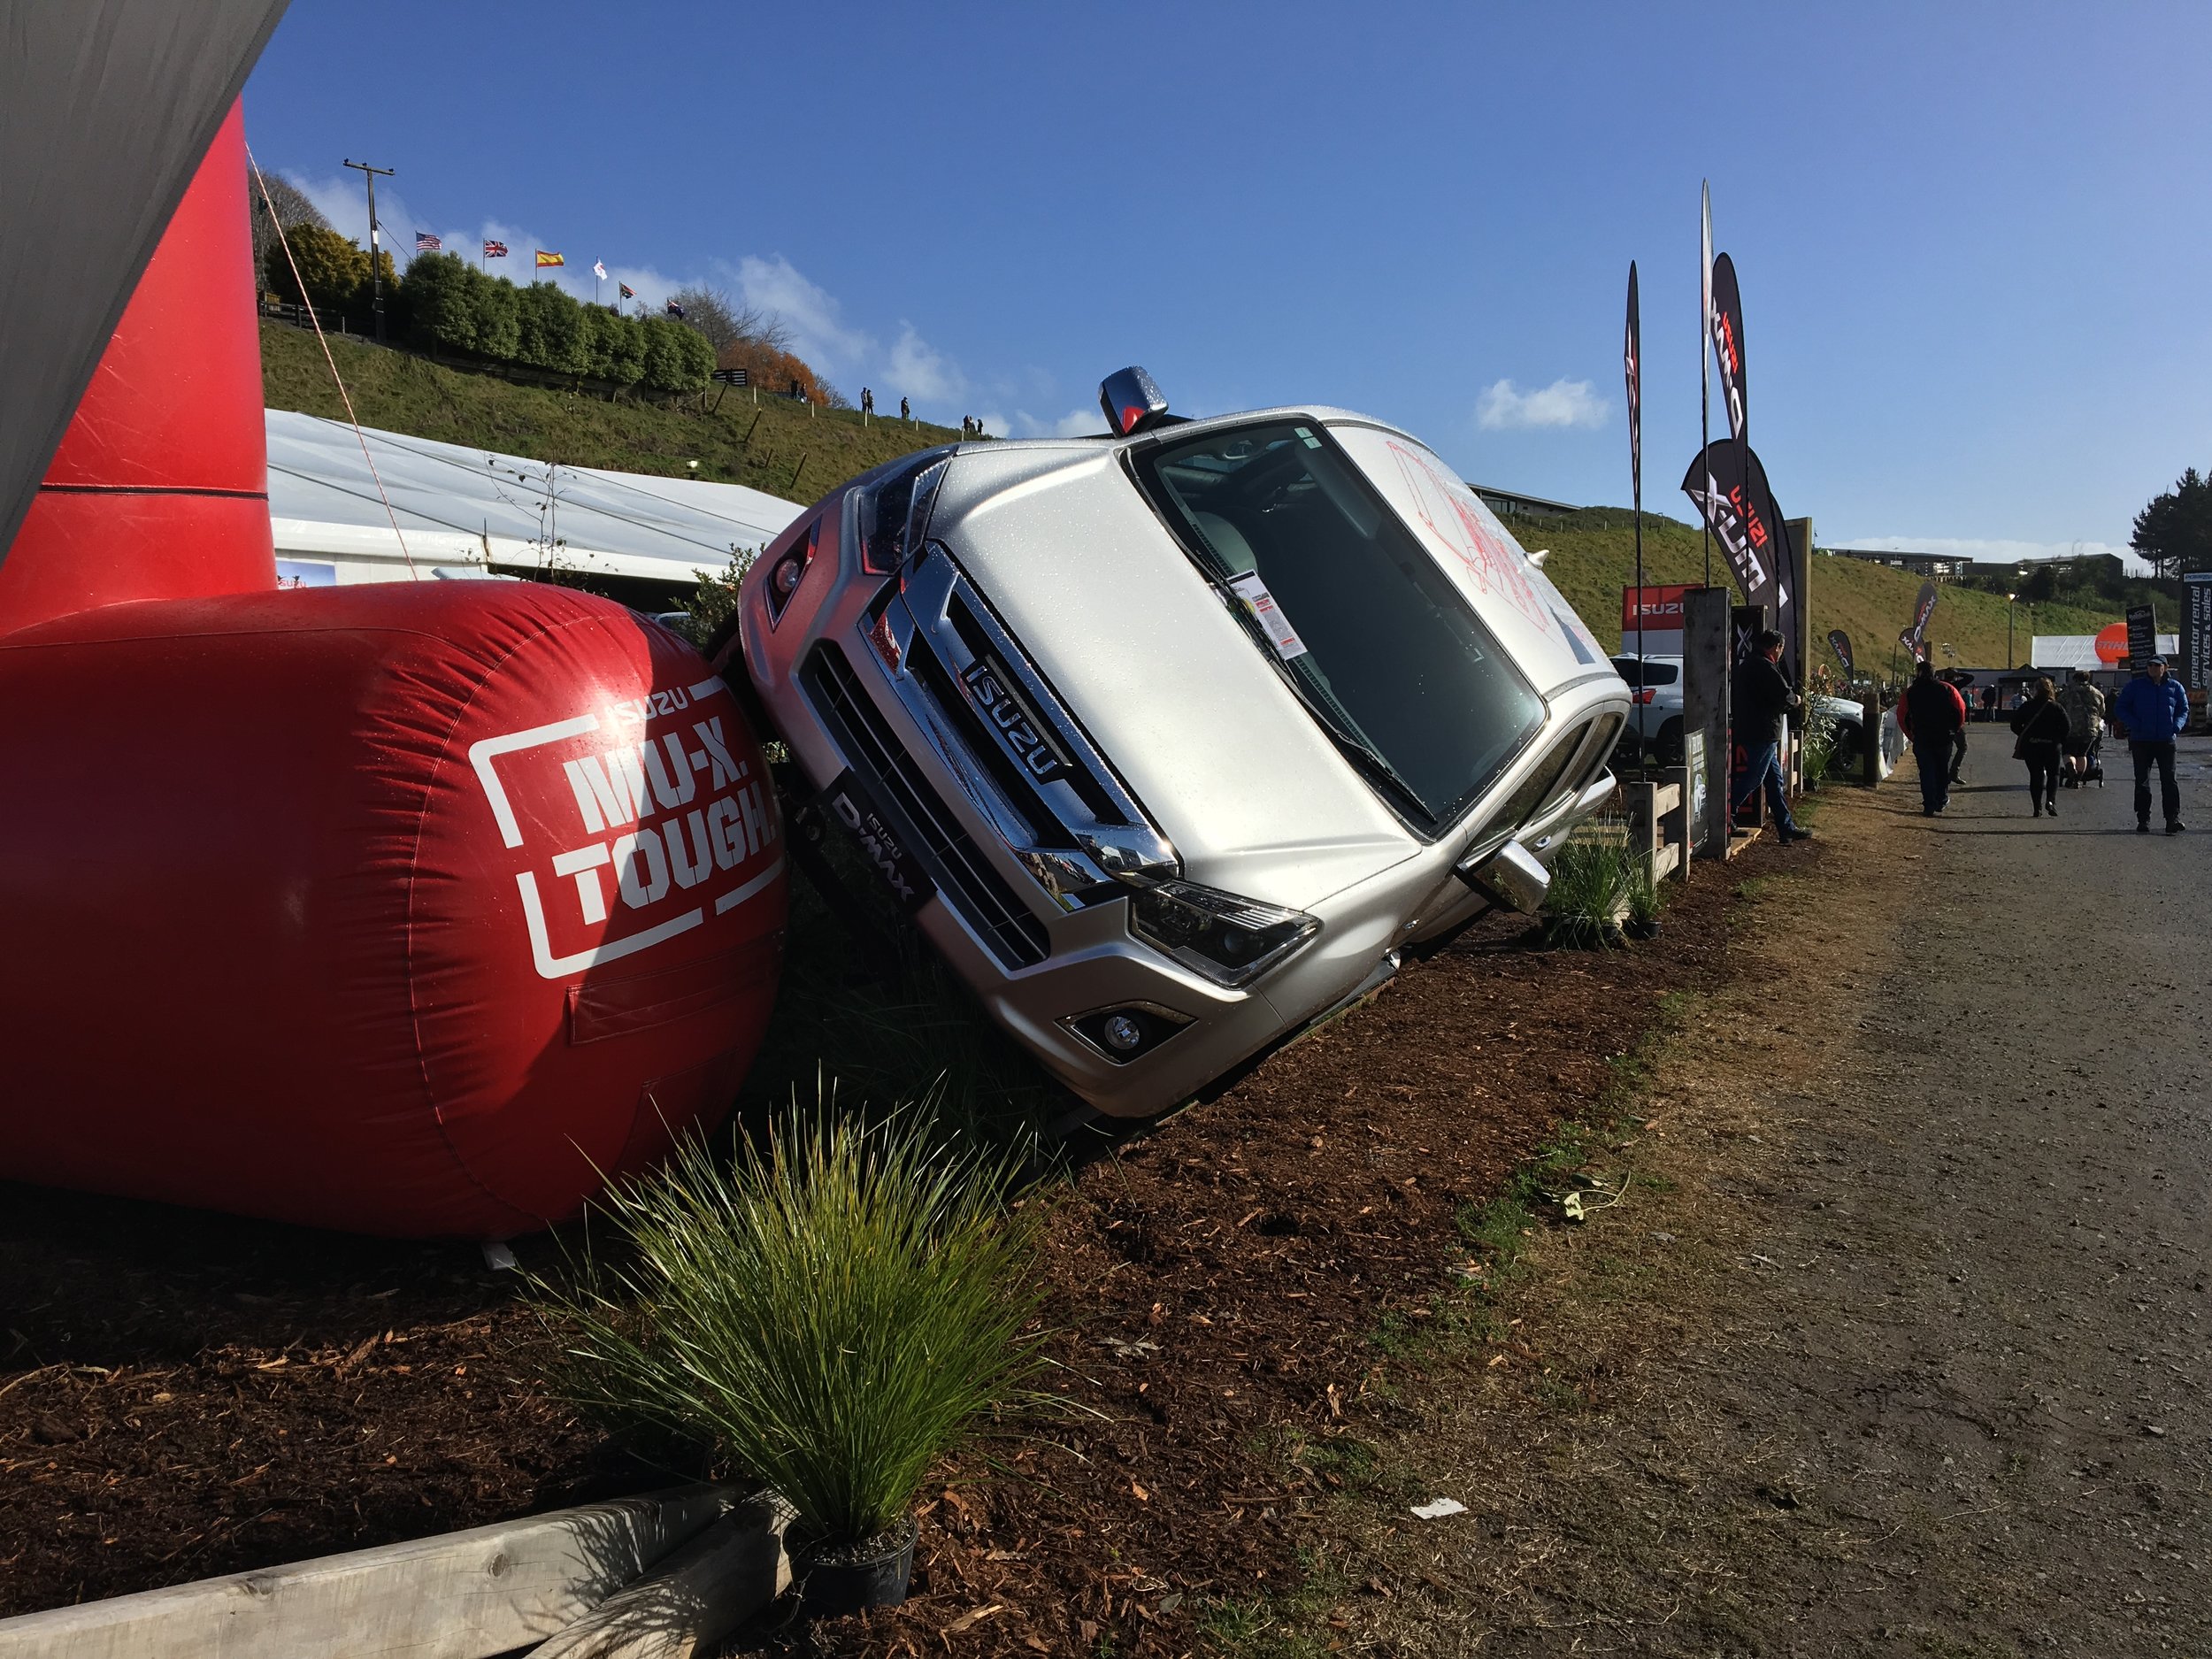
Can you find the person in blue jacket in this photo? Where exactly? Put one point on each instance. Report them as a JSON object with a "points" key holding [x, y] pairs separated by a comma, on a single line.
{"points": [[2153, 708]]}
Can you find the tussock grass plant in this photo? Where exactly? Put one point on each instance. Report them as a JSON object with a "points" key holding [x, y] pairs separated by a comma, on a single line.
{"points": [[832, 1314], [1643, 894], [1590, 884]]}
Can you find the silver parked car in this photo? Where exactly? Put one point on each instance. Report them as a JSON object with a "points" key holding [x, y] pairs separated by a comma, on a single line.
{"points": [[1172, 738]]}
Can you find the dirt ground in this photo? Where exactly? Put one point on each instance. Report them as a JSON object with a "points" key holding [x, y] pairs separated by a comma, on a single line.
{"points": [[182, 1395], [1898, 1341], [1891, 1341]]}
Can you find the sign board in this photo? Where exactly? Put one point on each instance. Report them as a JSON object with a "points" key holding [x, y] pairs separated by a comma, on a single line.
{"points": [[2142, 638], [1700, 781], [1662, 616], [728, 376], [2196, 631]]}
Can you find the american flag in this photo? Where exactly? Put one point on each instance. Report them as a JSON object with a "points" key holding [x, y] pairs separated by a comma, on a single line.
{"points": [[628, 293], [495, 250], [425, 242], [675, 309]]}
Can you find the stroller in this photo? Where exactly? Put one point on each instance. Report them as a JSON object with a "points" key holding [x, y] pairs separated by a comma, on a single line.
{"points": [[2090, 762]]}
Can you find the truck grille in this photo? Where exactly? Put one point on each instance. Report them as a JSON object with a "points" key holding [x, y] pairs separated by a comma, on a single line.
{"points": [[975, 891]]}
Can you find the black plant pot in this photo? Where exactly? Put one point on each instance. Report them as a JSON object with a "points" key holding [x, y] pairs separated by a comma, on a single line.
{"points": [[1635, 929], [834, 1581]]}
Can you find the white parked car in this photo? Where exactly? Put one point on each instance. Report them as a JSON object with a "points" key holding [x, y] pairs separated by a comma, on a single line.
{"points": [[1172, 738], [1655, 720]]}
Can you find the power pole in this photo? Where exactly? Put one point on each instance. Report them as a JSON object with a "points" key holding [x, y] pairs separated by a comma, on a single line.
{"points": [[376, 277]]}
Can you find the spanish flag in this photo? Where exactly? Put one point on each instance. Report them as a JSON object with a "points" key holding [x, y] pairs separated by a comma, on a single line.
{"points": [[546, 259]]}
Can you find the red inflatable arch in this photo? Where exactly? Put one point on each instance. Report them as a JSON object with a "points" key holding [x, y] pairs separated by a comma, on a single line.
{"points": [[407, 909]]}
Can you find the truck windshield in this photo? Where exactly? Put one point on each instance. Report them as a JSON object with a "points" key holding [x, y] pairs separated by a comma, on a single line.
{"points": [[1374, 638]]}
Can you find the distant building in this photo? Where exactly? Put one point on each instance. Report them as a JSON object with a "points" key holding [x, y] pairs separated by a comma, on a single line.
{"points": [[1511, 504], [1938, 566]]}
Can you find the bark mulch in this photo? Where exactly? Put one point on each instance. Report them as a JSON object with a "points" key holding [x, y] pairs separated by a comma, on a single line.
{"points": [[1231, 1287], [184, 1394]]}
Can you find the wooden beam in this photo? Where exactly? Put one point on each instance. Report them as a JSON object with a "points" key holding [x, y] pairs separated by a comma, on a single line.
{"points": [[691, 1601], [462, 1595]]}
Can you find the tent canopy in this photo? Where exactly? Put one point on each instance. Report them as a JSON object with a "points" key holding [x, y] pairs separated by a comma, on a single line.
{"points": [[458, 506]]}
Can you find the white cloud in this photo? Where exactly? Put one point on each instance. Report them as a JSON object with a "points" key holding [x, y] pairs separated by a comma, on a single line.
{"points": [[1992, 549], [922, 372], [818, 332], [1504, 407], [1077, 423]]}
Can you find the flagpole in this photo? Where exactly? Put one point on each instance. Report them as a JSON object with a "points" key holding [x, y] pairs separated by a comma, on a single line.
{"points": [[1635, 489], [1705, 357]]}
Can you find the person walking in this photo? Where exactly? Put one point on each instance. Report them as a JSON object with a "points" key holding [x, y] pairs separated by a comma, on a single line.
{"points": [[2153, 708], [1958, 741], [1762, 699], [2042, 728], [1929, 712], [2085, 721]]}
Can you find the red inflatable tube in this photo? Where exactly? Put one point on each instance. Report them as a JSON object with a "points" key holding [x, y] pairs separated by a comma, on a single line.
{"points": [[412, 909], [161, 488]]}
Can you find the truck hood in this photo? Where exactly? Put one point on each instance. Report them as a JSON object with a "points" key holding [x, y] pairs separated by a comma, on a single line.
{"points": [[1223, 757]]}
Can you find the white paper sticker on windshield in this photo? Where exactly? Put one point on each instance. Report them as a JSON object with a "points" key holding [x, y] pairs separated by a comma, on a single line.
{"points": [[1261, 604]]}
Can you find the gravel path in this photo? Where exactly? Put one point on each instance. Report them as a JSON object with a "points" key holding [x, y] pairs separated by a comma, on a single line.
{"points": [[1906, 1348]]}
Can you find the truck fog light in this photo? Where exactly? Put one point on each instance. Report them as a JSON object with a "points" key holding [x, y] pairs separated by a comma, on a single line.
{"points": [[1128, 1032]]}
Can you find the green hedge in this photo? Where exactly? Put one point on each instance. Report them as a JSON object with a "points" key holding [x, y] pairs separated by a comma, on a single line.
{"points": [[447, 304]]}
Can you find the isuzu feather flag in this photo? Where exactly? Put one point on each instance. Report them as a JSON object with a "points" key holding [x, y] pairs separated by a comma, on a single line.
{"points": [[1840, 642], [1729, 486], [1922, 608], [1725, 318]]}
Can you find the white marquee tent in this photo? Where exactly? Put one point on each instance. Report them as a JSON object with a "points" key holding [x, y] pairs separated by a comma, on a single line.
{"points": [[467, 512], [2058, 653]]}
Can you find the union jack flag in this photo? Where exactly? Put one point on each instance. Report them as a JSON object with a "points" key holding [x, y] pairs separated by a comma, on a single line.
{"points": [[675, 309], [628, 293], [495, 250]]}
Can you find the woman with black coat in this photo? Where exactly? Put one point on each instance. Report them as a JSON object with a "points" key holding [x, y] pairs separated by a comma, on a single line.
{"points": [[2042, 727]]}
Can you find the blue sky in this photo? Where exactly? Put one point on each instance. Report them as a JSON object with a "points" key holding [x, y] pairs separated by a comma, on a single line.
{"points": [[1973, 239]]}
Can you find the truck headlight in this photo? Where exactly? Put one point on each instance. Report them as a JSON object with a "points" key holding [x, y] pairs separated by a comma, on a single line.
{"points": [[1229, 939]]}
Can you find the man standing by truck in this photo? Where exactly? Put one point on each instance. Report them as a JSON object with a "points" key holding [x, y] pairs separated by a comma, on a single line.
{"points": [[1762, 699], [2154, 709]]}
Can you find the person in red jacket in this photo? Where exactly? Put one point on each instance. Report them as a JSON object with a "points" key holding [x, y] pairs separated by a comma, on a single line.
{"points": [[1932, 714]]}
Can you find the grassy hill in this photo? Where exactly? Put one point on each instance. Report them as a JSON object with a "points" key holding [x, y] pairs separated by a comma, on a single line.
{"points": [[775, 446], [1594, 557]]}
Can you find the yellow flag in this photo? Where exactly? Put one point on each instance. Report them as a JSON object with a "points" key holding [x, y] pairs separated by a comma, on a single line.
{"points": [[545, 259]]}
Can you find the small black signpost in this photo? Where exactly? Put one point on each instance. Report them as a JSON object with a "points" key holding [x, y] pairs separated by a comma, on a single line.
{"points": [[726, 378]]}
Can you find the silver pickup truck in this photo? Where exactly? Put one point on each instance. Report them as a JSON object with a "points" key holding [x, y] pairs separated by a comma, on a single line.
{"points": [[1172, 738]]}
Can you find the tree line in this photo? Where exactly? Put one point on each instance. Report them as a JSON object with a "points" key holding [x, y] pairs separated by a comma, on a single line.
{"points": [[447, 307]]}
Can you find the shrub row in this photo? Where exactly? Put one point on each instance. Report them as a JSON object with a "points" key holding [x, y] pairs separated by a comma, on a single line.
{"points": [[444, 305]]}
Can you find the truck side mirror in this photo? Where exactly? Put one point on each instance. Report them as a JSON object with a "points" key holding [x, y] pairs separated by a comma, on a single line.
{"points": [[1511, 876]]}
